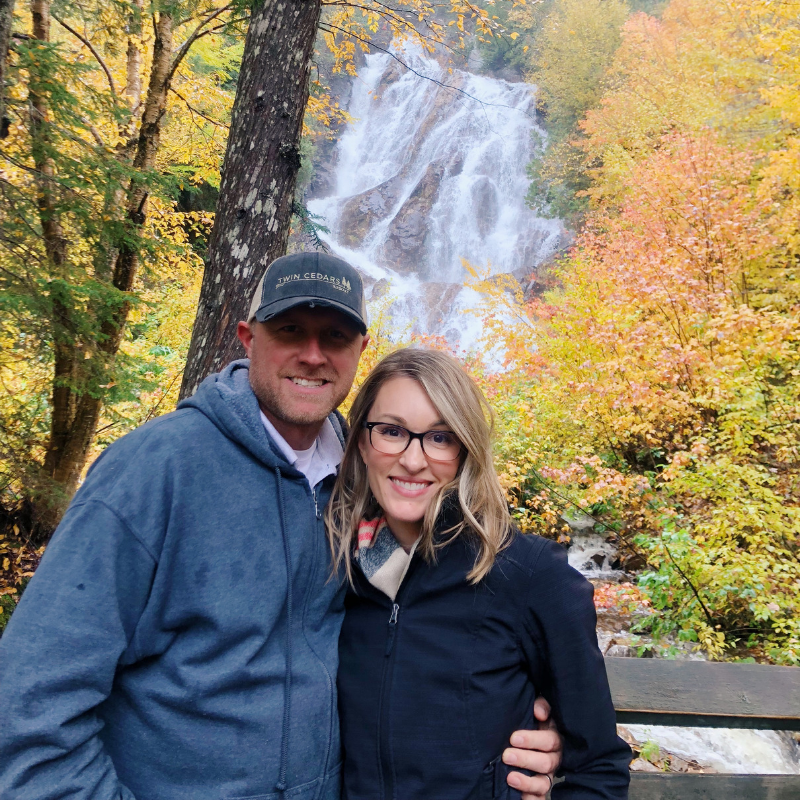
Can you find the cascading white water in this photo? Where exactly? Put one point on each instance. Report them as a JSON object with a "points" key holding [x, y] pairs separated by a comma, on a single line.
{"points": [[427, 176]]}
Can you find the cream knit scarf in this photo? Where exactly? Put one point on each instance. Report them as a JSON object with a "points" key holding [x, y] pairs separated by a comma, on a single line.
{"points": [[381, 557]]}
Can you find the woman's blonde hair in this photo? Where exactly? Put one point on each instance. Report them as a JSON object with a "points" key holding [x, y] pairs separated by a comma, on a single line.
{"points": [[462, 406]]}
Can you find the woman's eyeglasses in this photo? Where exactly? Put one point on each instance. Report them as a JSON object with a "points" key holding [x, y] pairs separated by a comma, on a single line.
{"points": [[391, 440]]}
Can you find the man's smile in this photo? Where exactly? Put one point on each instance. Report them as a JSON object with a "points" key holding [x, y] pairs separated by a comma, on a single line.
{"points": [[310, 383]]}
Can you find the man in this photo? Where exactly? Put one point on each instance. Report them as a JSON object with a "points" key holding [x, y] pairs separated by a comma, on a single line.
{"points": [[179, 639]]}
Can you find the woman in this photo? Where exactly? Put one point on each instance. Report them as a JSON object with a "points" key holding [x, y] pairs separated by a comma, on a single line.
{"points": [[455, 622]]}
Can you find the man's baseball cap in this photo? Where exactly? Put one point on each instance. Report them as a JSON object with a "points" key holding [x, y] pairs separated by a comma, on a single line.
{"points": [[314, 279]]}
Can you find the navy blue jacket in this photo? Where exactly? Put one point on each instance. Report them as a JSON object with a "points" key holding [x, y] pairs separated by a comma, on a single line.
{"points": [[431, 688], [178, 641]]}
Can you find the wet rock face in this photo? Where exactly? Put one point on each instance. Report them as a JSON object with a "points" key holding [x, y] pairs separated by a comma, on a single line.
{"points": [[427, 312], [363, 211], [484, 197], [404, 250], [439, 301]]}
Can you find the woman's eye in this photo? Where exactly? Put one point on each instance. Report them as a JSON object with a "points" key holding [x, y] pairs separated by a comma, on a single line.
{"points": [[389, 432]]}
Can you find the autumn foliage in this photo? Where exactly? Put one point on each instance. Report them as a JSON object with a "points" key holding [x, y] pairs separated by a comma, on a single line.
{"points": [[655, 387], [658, 388]]}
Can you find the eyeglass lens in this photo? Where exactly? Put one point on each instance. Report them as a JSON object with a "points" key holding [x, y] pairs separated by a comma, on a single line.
{"points": [[394, 439]]}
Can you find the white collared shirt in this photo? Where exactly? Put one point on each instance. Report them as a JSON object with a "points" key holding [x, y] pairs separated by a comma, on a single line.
{"points": [[316, 463]]}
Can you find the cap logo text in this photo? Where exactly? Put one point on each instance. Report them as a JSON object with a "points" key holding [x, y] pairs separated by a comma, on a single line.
{"points": [[342, 284]]}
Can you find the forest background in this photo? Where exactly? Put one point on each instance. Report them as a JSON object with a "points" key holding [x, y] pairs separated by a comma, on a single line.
{"points": [[656, 386]]}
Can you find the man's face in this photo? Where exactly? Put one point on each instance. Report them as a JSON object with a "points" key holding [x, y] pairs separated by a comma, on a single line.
{"points": [[302, 365]]}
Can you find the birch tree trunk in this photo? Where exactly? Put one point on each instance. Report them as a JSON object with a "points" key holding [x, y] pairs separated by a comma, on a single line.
{"points": [[258, 178], [6, 21]]}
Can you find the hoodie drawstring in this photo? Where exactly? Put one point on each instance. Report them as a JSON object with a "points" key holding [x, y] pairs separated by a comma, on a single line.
{"points": [[280, 786]]}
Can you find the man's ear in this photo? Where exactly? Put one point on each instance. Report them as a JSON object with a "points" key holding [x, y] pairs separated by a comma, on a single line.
{"points": [[245, 334], [365, 342]]}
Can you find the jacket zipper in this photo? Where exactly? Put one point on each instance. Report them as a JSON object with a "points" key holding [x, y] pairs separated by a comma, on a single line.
{"points": [[392, 629], [385, 764]]}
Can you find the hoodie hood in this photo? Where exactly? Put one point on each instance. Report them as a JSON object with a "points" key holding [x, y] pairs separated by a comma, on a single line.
{"points": [[227, 399]]}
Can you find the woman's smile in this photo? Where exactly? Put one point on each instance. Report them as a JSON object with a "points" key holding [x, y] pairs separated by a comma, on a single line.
{"points": [[409, 488]]}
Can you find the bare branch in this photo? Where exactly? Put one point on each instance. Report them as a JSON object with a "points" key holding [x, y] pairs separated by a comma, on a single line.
{"points": [[197, 111], [194, 36], [396, 19], [93, 51], [330, 28]]}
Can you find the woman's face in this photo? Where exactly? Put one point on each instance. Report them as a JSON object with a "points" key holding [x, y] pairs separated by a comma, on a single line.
{"points": [[405, 484]]}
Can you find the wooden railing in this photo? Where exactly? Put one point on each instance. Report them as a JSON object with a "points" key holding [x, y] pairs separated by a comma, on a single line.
{"points": [[713, 695]]}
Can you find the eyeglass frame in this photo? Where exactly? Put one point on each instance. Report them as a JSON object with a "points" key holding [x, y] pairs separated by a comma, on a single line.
{"points": [[411, 436]]}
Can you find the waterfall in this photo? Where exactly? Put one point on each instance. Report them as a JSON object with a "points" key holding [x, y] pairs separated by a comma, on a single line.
{"points": [[426, 176]]}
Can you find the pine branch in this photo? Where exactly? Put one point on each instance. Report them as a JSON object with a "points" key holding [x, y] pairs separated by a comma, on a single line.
{"points": [[310, 225]]}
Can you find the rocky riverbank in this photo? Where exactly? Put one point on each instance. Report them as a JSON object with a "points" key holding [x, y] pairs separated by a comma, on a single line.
{"points": [[657, 748]]}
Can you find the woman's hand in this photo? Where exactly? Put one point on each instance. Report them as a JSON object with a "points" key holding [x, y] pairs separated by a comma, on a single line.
{"points": [[538, 751]]}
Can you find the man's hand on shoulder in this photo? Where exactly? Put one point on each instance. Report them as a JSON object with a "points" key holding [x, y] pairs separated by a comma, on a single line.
{"points": [[538, 751]]}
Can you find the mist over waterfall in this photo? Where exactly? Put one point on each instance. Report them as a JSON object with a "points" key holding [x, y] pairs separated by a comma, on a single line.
{"points": [[426, 176]]}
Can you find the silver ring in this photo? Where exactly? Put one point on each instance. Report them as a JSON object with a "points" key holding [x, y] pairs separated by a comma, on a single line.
{"points": [[550, 778]]}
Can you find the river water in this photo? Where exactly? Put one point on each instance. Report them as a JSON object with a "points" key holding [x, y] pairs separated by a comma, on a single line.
{"points": [[426, 176]]}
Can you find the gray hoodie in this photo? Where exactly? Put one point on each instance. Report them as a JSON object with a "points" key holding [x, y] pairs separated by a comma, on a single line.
{"points": [[179, 639]]}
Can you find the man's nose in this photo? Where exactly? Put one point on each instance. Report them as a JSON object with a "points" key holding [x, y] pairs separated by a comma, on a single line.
{"points": [[413, 457], [312, 353]]}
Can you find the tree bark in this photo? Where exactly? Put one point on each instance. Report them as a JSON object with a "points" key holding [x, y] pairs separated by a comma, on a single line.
{"points": [[258, 177], [55, 245], [133, 59], [75, 416], [6, 22]]}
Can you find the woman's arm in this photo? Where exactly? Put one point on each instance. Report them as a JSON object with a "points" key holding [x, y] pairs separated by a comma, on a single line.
{"points": [[564, 658]]}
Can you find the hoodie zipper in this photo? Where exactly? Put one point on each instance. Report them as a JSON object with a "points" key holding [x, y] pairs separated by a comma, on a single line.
{"points": [[316, 505]]}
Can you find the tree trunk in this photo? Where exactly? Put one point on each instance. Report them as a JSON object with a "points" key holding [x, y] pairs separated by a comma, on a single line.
{"points": [[75, 417], [55, 245], [133, 59], [258, 178], [6, 22]]}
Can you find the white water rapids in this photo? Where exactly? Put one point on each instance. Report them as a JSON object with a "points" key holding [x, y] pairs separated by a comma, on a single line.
{"points": [[427, 176]]}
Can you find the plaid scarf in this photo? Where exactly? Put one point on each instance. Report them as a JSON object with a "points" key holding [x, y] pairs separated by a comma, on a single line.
{"points": [[381, 557]]}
